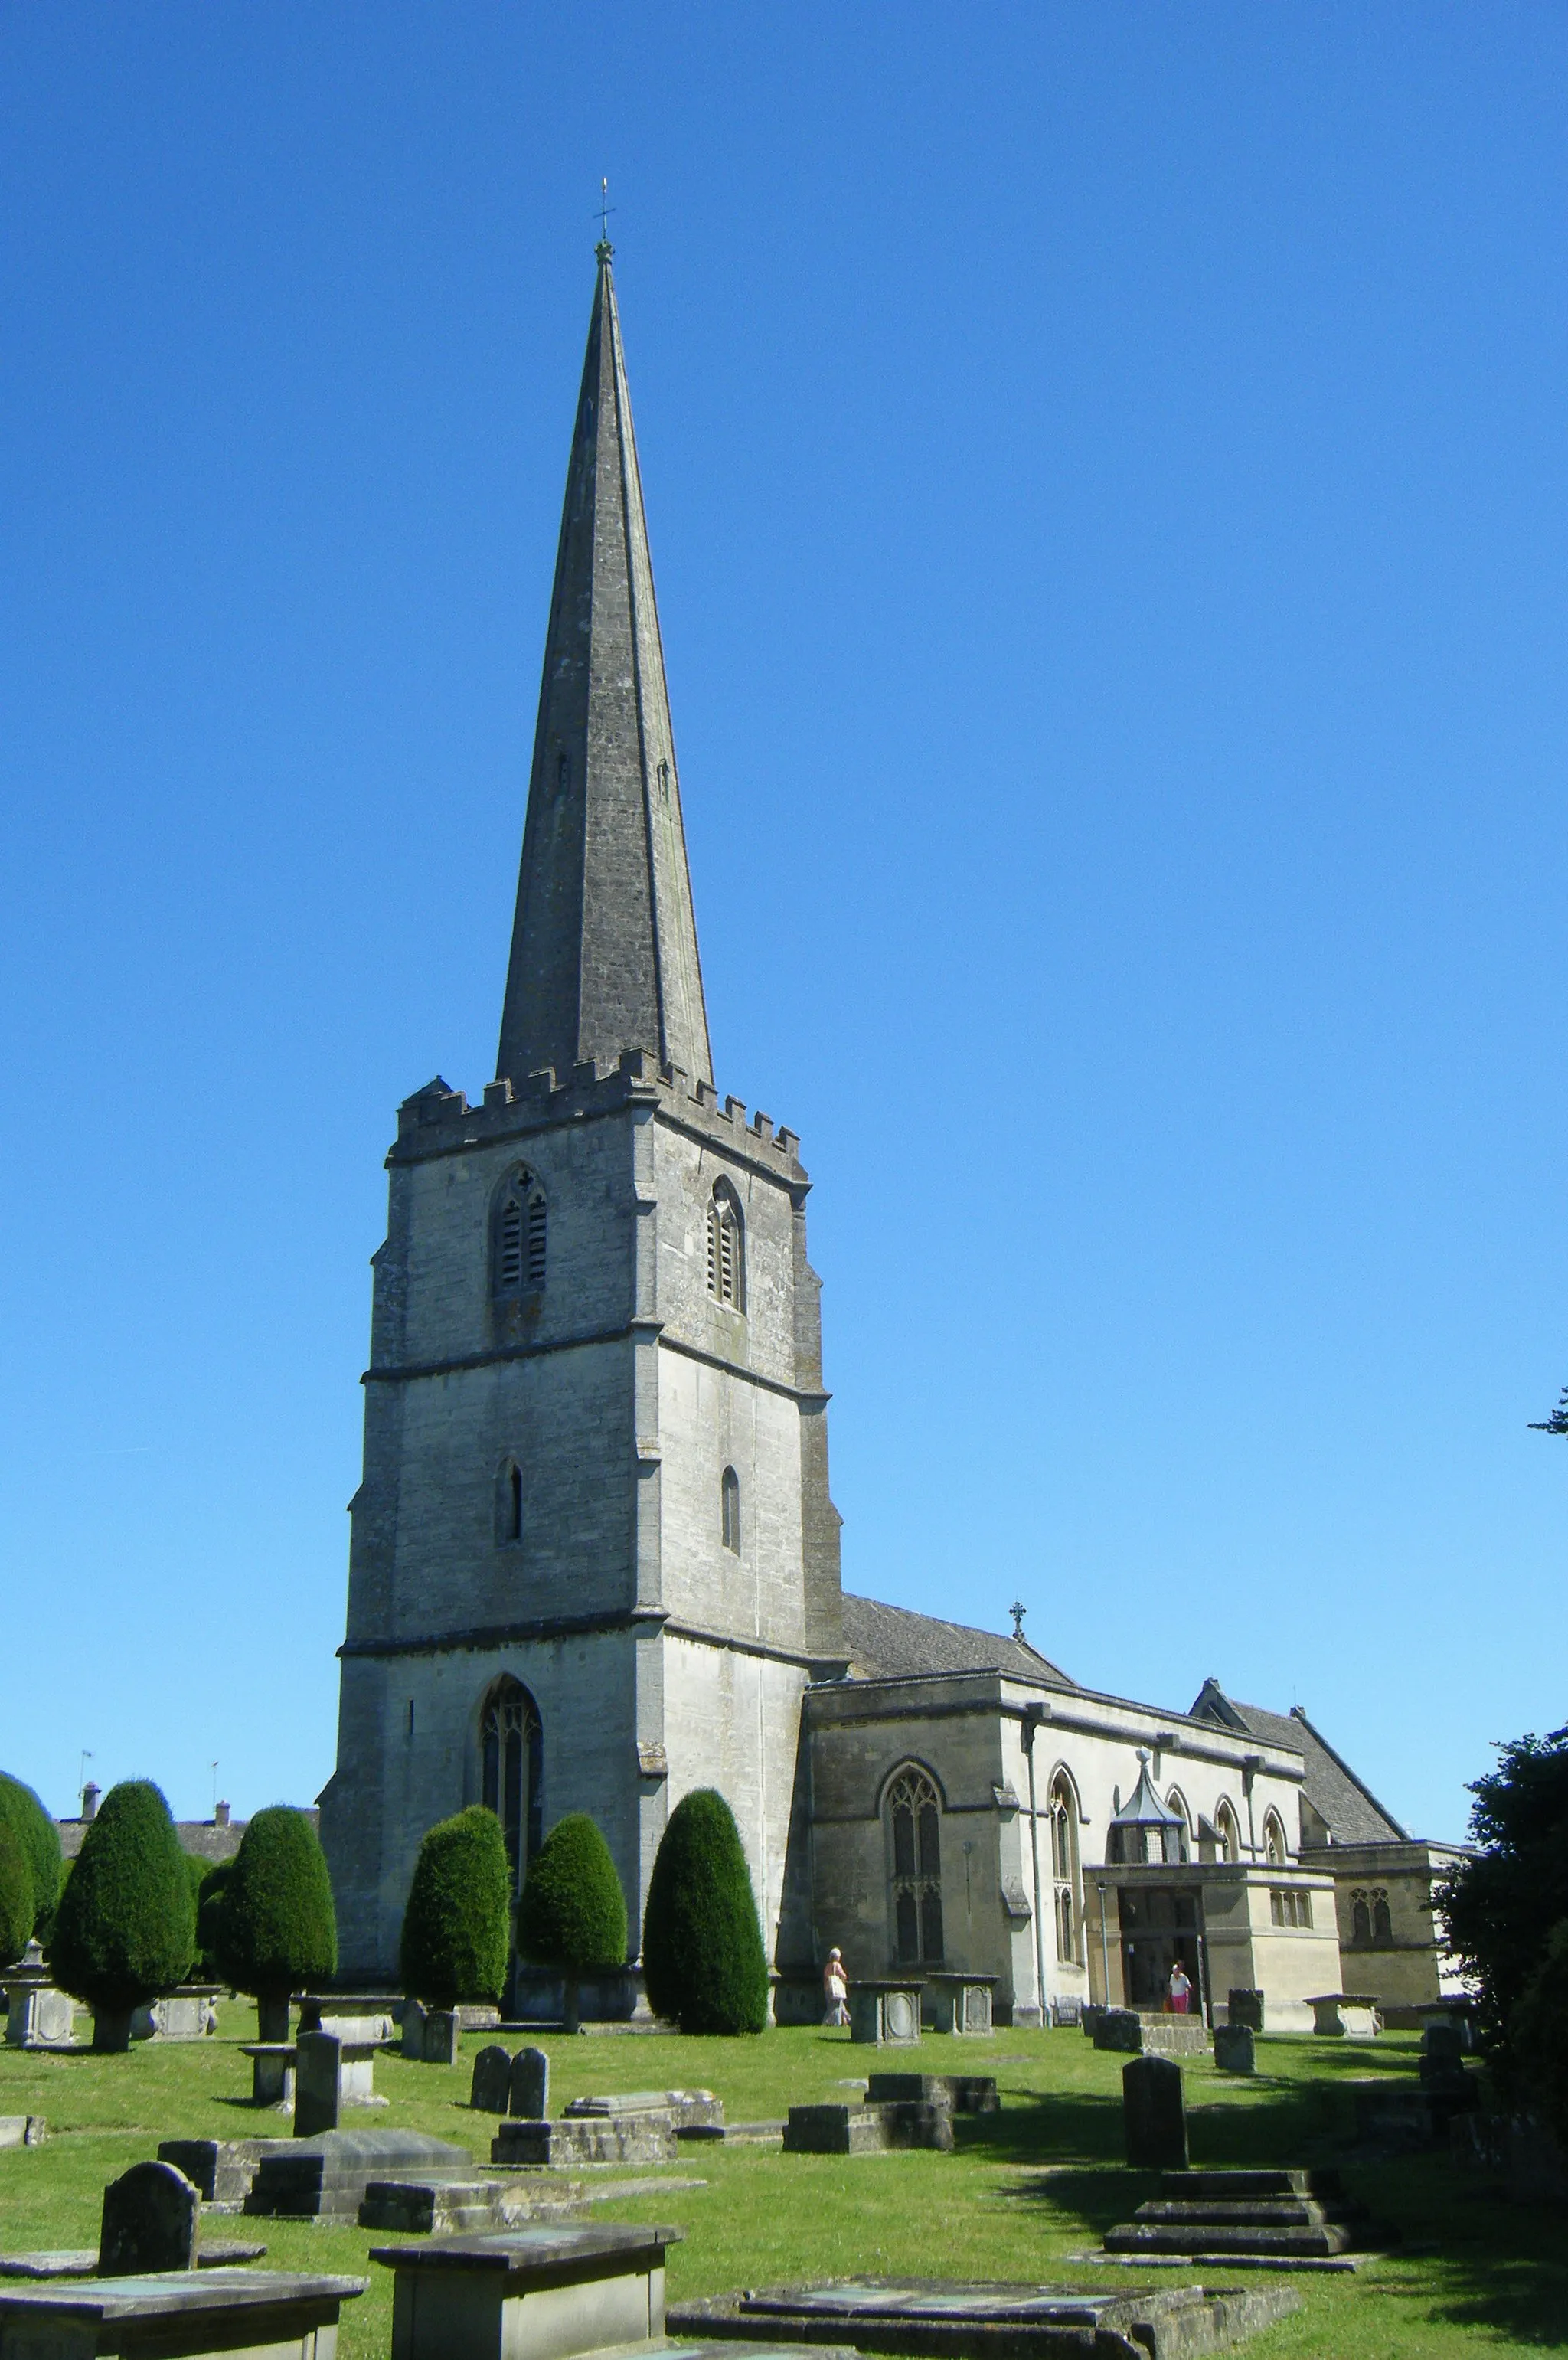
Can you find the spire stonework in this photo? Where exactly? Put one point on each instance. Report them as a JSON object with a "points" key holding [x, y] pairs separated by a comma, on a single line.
{"points": [[604, 942]]}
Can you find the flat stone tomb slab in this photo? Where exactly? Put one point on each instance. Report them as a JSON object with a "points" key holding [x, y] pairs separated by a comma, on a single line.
{"points": [[82, 2261], [869, 2129], [932, 2319], [966, 2093], [222, 2169], [688, 2109], [545, 2292], [326, 2177], [584, 2139], [452, 2207], [185, 2315]]}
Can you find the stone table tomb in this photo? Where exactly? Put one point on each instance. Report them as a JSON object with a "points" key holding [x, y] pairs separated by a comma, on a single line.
{"points": [[886, 2014], [543, 2292], [189, 2315]]}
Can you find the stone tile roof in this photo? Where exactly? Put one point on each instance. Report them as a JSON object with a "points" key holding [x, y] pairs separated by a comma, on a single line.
{"points": [[889, 1643], [1352, 1812]]}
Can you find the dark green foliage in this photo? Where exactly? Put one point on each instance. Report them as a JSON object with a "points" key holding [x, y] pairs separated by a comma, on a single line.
{"points": [[1538, 2033], [278, 1931], [454, 1926], [1558, 1422], [125, 1929], [1500, 1908], [571, 1913], [17, 1910], [703, 1957], [40, 1841], [210, 1894]]}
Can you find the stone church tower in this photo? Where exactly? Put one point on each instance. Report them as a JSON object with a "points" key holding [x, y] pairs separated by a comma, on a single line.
{"points": [[593, 1561]]}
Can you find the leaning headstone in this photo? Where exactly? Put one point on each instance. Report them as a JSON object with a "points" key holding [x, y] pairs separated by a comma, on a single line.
{"points": [[413, 2030], [1235, 2048], [528, 2096], [441, 2037], [151, 2217], [317, 2083], [492, 2082], [1154, 2116], [1246, 2007]]}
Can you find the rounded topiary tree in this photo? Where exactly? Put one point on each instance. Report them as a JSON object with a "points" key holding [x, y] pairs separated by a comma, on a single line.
{"points": [[39, 1840], [17, 1908], [571, 1913], [125, 1927], [454, 1926], [278, 1931], [703, 1959]]}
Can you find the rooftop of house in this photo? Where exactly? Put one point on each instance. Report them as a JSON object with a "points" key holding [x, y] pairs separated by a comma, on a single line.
{"points": [[891, 1643], [1347, 1806]]}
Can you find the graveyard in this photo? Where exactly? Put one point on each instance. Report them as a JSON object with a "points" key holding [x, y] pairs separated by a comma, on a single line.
{"points": [[1027, 2192]]}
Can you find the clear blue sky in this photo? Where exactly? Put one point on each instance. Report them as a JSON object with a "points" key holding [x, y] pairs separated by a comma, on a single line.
{"points": [[1105, 468]]}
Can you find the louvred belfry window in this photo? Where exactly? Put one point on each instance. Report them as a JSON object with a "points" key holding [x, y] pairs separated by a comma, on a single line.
{"points": [[726, 1255], [518, 1252], [914, 1816]]}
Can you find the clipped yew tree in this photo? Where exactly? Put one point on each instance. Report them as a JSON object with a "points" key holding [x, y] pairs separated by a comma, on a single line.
{"points": [[456, 1923], [571, 1913], [40, 1839], [703, 1959], [277, 1931], [15, 1894], [125, 1927]]}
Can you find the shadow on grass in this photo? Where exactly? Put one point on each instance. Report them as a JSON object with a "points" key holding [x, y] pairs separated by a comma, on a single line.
{"points": [[1293, 2124]]}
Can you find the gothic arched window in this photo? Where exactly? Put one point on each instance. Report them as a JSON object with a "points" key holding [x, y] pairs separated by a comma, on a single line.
{"points": [[1360, 1919], [1274, 1841], [1069, 1903], [510, 1751], [518, 1236], [914, 1831], [1382, 1924], [1227, 1832], [729, 1509], [727, 1248]]}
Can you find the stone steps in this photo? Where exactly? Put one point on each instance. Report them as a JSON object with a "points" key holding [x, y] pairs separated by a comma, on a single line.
{"points": [[1266, 2219]]}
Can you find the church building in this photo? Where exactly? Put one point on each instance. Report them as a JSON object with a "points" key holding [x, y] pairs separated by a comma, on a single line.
{"points": [[595, 1559]]}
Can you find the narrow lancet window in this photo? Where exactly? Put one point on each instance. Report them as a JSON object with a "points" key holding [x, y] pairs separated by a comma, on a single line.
{"points": [[510, 1751], [729, 1509], [915, 1844]]}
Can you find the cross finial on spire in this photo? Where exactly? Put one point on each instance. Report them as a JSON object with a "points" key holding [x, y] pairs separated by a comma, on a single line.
{"points": [[1017, 1611], [604, 250]]}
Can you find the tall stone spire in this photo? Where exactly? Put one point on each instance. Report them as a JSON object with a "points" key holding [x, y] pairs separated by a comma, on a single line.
{"points": [[604, 942]]}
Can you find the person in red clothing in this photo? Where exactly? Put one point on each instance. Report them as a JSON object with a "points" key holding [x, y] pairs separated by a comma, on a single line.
{"points": [[1181, 1990]]}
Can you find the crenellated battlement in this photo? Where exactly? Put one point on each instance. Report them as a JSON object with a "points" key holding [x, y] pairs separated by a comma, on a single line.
{"points": [[437, 1120]]}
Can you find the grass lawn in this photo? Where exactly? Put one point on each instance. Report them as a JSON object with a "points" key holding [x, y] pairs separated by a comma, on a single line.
{"points": [[1027, 2188]]}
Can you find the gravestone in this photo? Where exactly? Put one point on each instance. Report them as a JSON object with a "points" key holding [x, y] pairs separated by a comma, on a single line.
{"points": [[885, 2013], [1442, 2044], [492, 2082], [441, 2036], [1154, 2114], [413, 2030], [1235, 2048], [151, 2218], [567, 2288], [528, 2095], [317, 2083], [1119, 2028], [1245, 2007]]}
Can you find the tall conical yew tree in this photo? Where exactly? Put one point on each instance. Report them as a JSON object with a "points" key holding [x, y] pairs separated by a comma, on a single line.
{"points": [[40, 1839], [125, 1929], [571, 1913], [703, 1959], [276, 1929], [15, 1894], [455, 1924]]}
